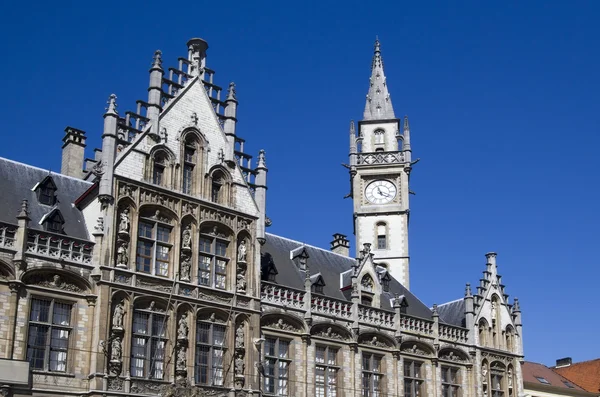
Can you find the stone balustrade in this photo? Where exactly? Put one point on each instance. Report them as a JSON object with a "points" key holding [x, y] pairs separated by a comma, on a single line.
{"points": [[416, 325], [57, 246], [7, 235], [452, 333], [380, 158], [333, 307], [378, 317], [278, 295]]}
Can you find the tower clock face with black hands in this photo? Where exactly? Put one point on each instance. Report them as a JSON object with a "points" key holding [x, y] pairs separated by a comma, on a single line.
{"points": [[380, 192]]}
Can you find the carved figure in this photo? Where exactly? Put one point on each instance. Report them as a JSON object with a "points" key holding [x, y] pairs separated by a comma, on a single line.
{"points": [[484, 373], [181, 363], [241, 280], [115, 349], [118, 315], [239, 364], [182, 329], [493, 310], [56, 281], [122, 255], [124, 224], [239, 336], [510, 377], [242, 251], [186, 238], [185, 267]]}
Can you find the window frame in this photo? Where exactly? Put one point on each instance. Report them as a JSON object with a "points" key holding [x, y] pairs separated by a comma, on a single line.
{"points": [[371, 375], [212, 364], [499, 377], [328, 367], [273, 368], [50, 326], [218, 260], [415, 379], [189, 165], [453, 385], [151, 346], [159, 165], [155, 243]]}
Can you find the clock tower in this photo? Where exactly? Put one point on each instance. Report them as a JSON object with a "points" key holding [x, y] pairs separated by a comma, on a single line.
{"points": [[380, 164]]}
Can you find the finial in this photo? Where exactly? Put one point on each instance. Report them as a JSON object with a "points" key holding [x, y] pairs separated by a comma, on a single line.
{"points": [[516, 306], [367, 248], [377, 44], [261, 159], [434, 310], [406, 127], [231, 92], [24, 212], [352, 129], [157, 63], [468, 290], [112, 105]]}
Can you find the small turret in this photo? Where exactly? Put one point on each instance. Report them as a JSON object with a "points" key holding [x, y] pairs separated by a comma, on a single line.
{"points": [[109, 147], [406, 141], [155, 92], [260, 195], [230, 121], [352, 143], [469, 312]]}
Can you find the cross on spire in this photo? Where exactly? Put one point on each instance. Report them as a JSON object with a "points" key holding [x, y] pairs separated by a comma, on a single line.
{"points": [[379, 104]]}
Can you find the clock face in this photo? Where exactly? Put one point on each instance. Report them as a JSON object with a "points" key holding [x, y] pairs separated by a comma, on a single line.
{"points": [[380, 192]]}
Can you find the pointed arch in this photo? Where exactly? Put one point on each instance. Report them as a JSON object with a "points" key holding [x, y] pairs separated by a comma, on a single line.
{"points": [[483, 328], [193, 147], [220, 185], [160, 166]]}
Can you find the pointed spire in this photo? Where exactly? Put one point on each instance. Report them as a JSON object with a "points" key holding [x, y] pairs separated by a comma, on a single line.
{"points": [[406, 127], [516, 307], [352, 139], [468, 293], [261, 159], [231, 92], [112, 105], [24, 212], [157, 60], [379, 102]]}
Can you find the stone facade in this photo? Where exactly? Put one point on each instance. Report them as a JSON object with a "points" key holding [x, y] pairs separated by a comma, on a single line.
{"points": [[158, 277]]}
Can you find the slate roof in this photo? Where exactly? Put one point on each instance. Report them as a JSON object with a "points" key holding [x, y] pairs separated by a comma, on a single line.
{"points": [[533, 371], [586, 374], [17, 181], [330, 265], [453, 312]]}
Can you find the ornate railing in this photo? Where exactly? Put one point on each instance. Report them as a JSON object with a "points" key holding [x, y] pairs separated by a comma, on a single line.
{"points": [[370, 315], [333, 307], [275, 294], [416, 325], [455, 334], [7, 235], [59, 247], [381, 158]]}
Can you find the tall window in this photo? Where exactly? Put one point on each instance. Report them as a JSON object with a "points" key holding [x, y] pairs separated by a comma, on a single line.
{"points": [[379, 137], [413, 378], [497, 389], [49, 330], [450, 382], [217, 188], [381, 236], [153, 247], [210, 350], [372, 375], [148, 344], [158, 170], [326, 369], [277, 364], [189, 163], [510, 337], [212, 264]]}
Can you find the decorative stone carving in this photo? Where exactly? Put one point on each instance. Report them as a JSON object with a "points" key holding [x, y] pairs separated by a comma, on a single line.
{"points": [[213, 297], [186, 238], [414, 349], [281, 324], [239, 363], [118, 314], [182, 327], [484, 372], [493, 309], [54, 281], [374, 342], [367, 283], [124, 222], [210, 317], [242, 251], [240, 283], [155, 285], [181, 363], [122, 279], [239, 337], [329, 334], [99, 227], [115, 383], [115, 349], [98, 168], [185, 267], [189, 208], [122, 254], [450, 356]]}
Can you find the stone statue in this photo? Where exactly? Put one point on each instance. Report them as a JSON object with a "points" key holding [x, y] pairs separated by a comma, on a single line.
{"points": [[181, 363], [56, 281], [115, 349], [182, 329], [118, 315], [124, 224], [242, 251], [239, 364], [493, 310], [122, 255], [185, 268], [241, 280], [510, 377], [239, 336], [484, 373], [186, 238]]}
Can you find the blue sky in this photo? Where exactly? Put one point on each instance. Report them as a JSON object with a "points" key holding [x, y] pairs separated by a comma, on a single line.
{"points": [[502, 99]]}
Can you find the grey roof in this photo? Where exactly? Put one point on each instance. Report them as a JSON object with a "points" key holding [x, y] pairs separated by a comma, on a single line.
{"points": [[17, 181], [330, 265], [453, 313]]}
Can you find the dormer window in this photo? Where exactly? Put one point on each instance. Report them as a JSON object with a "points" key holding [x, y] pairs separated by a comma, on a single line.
{"points": [[46, 192], [317, 283], [54, 222], [385, 282]]}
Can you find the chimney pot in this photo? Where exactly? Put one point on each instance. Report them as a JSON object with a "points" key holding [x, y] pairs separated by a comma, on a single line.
{"points": [[564, 362], [340, 244], [73, 151]]}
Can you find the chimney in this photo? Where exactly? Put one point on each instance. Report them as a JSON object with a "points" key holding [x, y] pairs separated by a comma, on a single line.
{"points": [[340, 244], [564, 362], [73, 150]]}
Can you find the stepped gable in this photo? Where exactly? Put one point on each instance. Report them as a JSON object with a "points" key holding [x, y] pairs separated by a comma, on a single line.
{"points": [[330, 265], [19, 182]]}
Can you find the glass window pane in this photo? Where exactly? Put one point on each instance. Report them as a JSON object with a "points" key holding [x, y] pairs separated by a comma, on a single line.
{"points": [[140, 322], [145, 229], [163, 234], [159, 325], [205, 245], [40, 310], [283, 348], [203, 333], [62, 314], [205, 262], [221, 248]]}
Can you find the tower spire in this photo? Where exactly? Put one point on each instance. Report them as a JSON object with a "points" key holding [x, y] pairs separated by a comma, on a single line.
{"points": [[379, 103]]}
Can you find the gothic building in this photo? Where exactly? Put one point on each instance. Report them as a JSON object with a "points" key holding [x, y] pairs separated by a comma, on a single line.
{"points": [[148, 270]]}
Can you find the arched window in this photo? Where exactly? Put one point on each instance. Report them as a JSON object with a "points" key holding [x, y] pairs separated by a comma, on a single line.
{"points": [[382, 236], [154, 245], [215, 254], [510, 338], [217, 190], [148, 341], [158, 168], [483, 333], [379, 137], [190, 161]]}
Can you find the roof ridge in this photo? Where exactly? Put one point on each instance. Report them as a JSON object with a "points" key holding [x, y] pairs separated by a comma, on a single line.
{"points": [[447, 303], [50, 172], [309, 245]]}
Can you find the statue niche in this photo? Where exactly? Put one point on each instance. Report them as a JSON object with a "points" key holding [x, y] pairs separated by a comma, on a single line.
{"points": [[242, 266]]}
